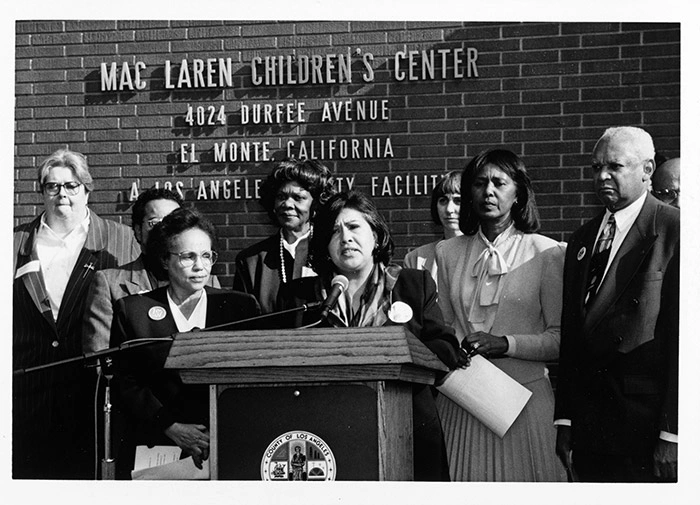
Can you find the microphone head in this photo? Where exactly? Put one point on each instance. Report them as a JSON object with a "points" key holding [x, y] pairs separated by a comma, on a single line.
{"points": [[341, 281]]}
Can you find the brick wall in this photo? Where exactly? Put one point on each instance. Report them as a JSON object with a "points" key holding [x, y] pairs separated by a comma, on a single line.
{"points": [[544, 90]]}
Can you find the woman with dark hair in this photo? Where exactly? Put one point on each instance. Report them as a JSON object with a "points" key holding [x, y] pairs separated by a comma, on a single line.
{"points": [[159, 408], [501, 289], [290, 195], [352, 239], [444, 209]]}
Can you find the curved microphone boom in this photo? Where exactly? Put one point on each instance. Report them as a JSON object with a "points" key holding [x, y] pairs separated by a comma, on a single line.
{"points": [[338, 285]]}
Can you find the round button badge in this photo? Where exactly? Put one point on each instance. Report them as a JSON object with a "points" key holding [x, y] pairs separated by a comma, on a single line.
{"points": [[156, 313], [581, 253]]}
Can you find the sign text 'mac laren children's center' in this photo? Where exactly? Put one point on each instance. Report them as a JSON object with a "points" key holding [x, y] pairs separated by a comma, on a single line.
{"points": [[291, 70], [412, 65]]}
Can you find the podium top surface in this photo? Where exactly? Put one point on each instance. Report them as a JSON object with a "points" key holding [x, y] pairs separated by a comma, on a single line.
{"points": [[241, 352]]}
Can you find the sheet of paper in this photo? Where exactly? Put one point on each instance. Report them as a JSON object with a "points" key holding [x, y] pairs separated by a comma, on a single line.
{"points": [[183, 469], [32, 266], [487, 393], [162, 462], [148, 457]]}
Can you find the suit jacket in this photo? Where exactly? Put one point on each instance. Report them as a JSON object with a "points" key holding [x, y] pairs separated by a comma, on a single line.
{"points": [[618, 379], [423, 258], [417, 289], [529, 307], [151, 397], [111, 285], [413, 287], [55, 400], [258, 271]]}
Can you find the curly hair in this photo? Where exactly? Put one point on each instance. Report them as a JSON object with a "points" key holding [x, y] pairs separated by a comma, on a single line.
{"points": [[162, 235], [325, 222], [312, 175], [524, 211]]}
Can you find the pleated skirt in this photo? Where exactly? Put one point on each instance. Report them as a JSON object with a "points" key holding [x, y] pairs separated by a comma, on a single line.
{"points": [[525, 454]]}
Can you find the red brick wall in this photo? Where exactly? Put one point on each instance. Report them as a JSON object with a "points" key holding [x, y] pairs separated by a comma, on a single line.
{"points": [[544, 90]]}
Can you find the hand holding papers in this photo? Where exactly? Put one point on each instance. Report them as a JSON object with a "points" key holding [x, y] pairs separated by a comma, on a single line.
{"points": [[163, 462], [487, 393]]}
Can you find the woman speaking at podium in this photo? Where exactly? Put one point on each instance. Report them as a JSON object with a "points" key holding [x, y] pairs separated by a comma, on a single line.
{"points": [[352, 239], [159, 408]]}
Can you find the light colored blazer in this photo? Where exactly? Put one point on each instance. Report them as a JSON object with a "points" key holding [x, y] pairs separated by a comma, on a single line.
{"points": [[529, 308], [107, 287], [423, 258]]}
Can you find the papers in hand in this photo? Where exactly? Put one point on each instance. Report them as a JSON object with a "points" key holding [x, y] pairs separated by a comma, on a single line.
{"points": [[487, 393], [162, 462]]}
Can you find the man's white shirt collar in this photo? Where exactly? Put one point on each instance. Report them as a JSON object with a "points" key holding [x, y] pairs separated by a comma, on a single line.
{"points": [[624, 219]]}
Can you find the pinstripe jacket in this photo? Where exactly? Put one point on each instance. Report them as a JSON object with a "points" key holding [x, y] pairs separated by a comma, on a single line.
{"points": [[48, 400]]}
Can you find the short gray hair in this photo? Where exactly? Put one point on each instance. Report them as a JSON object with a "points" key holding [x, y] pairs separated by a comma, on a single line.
{"points": [[641, 140], [69, 159]]}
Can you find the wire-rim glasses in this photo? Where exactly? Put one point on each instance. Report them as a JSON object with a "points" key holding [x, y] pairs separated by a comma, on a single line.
{"points": [[188, 258]]}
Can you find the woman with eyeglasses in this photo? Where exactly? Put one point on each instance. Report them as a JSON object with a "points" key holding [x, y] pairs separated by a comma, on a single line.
{"points": [[56, 257], [159, 408]]}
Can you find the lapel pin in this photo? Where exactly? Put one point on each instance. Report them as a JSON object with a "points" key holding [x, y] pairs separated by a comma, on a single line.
{"points": [[581, 253], [88, 267], [156, 313]]}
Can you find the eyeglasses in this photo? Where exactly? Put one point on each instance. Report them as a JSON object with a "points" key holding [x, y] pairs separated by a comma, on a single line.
{"points": [[666, 195], [54, 188], [188, 258], [152, 222]]}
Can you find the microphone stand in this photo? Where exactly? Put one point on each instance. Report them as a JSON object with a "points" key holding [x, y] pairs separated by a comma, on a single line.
{"points": [[108, 466], [108, 462], [301, 308]]}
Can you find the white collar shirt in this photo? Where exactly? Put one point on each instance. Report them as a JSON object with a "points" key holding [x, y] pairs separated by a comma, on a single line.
{"points": [[57, 256], [198, 318], [624, 219], [292, 248]]}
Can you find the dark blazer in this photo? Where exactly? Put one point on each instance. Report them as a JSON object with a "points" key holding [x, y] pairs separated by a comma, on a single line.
{"points": [[52, 409], [417, 289], [152, 397], [107, 287], [258, 271], [618, 372]]}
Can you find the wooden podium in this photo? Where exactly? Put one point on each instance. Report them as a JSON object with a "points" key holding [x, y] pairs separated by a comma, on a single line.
{"points": [[338, 398]]}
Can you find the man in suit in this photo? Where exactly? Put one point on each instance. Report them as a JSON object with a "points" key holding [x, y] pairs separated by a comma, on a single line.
{"points": [[136, 277], [56, 257], [617, 392]]}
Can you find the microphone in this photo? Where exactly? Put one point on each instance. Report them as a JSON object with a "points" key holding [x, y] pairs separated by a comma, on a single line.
{"points": [[338, 285], [261, 317]]}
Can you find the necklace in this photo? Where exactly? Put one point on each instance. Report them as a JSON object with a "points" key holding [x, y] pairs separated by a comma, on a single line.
{"points": [[283, 267]]}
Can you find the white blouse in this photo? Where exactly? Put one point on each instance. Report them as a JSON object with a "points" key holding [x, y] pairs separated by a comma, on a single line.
{"points": [[198, 318]]}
